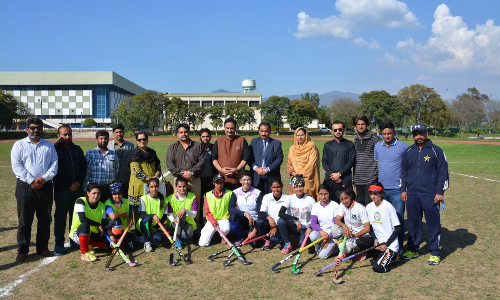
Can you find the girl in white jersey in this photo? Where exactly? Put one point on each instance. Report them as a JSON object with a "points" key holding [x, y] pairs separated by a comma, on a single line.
{"points": [[322, 221], [386, 228], [353, 219]]}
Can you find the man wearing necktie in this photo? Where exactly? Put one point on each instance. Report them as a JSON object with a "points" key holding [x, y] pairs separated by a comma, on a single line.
{"points": [[267, 157]]}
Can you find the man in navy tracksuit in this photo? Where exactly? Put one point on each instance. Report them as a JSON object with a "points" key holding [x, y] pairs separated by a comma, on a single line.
{"points": [[424, 178]]}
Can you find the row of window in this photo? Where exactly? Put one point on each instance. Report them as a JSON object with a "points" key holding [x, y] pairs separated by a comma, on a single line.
{"points": [[222, 103]]}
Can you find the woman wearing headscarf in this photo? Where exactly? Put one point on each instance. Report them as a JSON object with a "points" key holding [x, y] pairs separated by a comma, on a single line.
{"points": [[303, 159], [144, 164]]}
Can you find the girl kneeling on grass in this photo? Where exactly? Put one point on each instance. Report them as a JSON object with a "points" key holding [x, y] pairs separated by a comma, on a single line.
{"points": [[89, 220], [118, 216], [356, 224], [269, 213], [152, 206], [217, 211], [386, 228], [182, 209], [322, 221]]}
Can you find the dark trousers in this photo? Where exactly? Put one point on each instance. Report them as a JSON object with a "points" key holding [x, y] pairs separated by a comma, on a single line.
{"points": [[416, 206], [362, 195], [364, 242], [264, 228], [383, 260], [105, 193], [288, 227], [239, 224], [65, 203], [29, 203], [231, 186], [334, 187], [263, 185]]}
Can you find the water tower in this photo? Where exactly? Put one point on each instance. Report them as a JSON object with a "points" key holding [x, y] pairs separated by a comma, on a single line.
{"points": [[248, 85]]}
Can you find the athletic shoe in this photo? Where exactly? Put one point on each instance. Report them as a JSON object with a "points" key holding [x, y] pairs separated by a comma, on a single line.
{"points": [[59, 250], [434, 260], [410, 255], [88, 257], [148, 247], [267, 245], [91, 249], [287, 248]]}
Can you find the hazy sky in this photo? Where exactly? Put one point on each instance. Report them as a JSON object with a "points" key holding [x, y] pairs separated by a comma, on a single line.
{"points": [[288, 47]]}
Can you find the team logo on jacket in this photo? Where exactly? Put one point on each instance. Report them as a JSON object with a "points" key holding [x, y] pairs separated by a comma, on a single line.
{"points": [[377, 216], [354, 217], [427, 158]]}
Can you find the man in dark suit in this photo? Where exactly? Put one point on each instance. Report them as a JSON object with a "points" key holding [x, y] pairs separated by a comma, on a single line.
{"points": [[267, 157]]}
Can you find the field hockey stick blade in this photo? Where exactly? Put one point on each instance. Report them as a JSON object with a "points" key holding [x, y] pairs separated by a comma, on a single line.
{"points": [[294, 269], [273, 268], [235, 250]]}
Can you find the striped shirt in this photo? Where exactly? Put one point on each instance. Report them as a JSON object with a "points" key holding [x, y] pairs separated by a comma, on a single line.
{"points": [[365, 169], [102, 168]]}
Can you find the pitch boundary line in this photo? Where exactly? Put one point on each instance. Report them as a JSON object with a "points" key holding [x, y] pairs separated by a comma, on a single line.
{"points": [[8, 288], [493, 180]]}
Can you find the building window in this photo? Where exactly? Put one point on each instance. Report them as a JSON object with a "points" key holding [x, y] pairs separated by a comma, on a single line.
{"points": [[254, 103], [195, 103], [207, 103], [219, 103], [229, 102]]}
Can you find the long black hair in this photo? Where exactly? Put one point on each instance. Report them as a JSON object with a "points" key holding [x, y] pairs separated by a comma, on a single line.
{"points": [[346, 190]]}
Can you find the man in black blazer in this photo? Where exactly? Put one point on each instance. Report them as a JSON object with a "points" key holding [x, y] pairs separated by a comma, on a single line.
{"points": [[267, 157]]}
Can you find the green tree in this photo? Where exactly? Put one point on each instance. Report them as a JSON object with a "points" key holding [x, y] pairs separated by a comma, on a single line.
{"points": [[381, 107], [424, 105], [142, 111], [196, 115], [313, 98], [468, 109], [273, 110], [344, 109], [324, 115], [89, 122], [243, 114], [301, 113], [216, 113], [11, 110], [175, 113]]}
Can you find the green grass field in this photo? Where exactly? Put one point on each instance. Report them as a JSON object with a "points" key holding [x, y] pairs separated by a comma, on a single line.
{"points": [[469, 269]]}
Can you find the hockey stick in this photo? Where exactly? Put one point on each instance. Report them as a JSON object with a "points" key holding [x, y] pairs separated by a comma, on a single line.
{"points": [[235, 250], [122, 254], [342, 260], [115, 249], [246, 242], [171, 259], [273, 269], [296, 271], [227, 261], [187, 261], [337, 262]]}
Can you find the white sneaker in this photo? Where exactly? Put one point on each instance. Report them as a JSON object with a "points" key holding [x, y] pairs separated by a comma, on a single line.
{"points": [[148, 247]]}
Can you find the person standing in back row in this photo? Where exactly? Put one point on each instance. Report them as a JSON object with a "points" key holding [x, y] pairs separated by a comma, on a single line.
{"points": [[424, 178], [68, 183], [365, 166], [267, 157], [122, 149], [230, 155], [338, 158], [34, 162]]}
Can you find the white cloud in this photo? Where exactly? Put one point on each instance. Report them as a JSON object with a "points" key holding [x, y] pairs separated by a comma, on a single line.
{"points": [[391, 61], [423, 77], [361, 41], [453, 46], [357, 15]]}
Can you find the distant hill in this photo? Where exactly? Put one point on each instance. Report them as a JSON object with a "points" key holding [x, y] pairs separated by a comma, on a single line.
{"points": [[222, 91], [327, 98]]}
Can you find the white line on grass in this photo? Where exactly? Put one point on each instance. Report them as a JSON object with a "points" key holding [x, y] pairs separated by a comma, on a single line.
{"points": [[7, 289], [493, 180]]}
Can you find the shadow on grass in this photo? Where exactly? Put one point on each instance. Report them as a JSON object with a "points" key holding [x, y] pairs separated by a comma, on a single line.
{"points": [[7, 229]]}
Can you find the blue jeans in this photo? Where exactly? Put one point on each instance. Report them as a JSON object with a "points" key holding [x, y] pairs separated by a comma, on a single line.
{"points": [[394, 197]]}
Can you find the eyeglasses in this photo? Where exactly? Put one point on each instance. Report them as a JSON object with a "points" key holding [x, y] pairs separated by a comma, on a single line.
{"points": [[338, 129], [142, 140], [33, 128]]}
